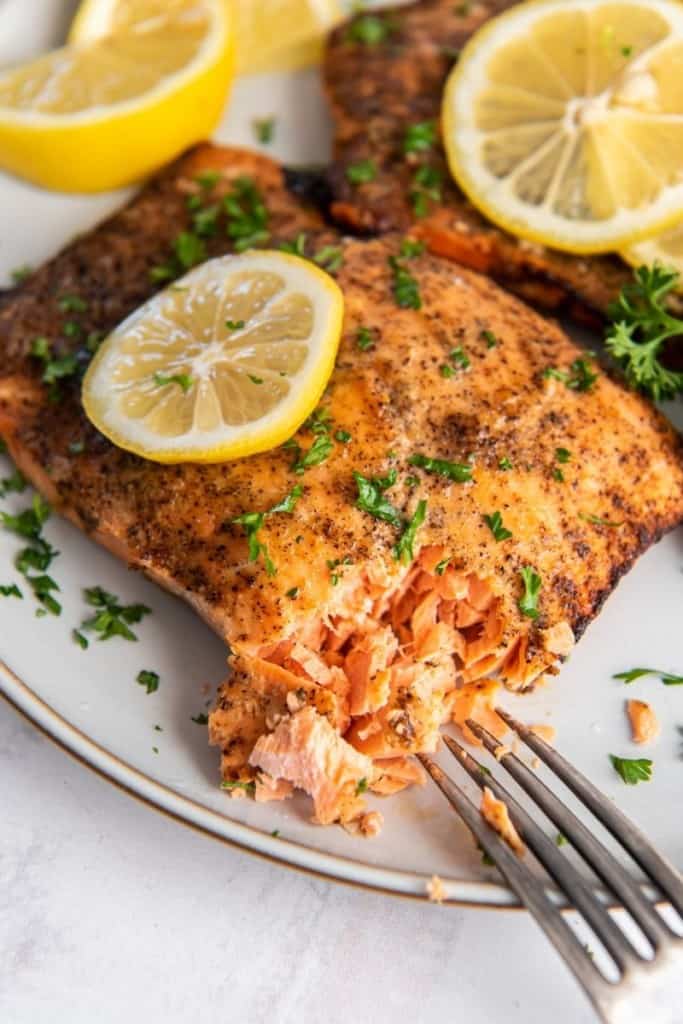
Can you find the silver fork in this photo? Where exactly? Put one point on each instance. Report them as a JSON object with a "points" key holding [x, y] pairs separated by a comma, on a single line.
{"points": [[649, 989]]}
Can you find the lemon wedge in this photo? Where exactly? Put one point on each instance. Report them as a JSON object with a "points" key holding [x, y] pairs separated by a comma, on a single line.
{"points": [[273, 35], [563, 121], [226, 362], [97, 116], [666, 249]]}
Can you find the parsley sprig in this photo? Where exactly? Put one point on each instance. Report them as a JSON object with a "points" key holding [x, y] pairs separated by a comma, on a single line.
{"points": [[641, 325], [494, 521], [403, 549], [38, 555], [254, 521], [247, 215], [459, 472], [579, 377], [110, 618], [630, 676], [371, 497], [528, 602], [632, 770]]}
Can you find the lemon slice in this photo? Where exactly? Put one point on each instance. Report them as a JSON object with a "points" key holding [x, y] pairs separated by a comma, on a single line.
{"points": [[666, 249], [97, 116], [228, 361], [273, 34], [563, 121]]}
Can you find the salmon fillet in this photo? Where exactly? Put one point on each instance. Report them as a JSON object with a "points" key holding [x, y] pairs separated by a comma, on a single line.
{"points": [[376, 92], [378, 651]]}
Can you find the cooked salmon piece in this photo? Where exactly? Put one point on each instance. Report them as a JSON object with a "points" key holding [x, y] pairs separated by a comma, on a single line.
{"points": [[305, 750], [382, 628], [376, 93], [436, 890], [496, 813], [645, 726]]}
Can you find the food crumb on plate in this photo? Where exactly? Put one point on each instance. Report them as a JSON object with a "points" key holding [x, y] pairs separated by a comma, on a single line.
{"points": [[645, 725], [436, 890]]}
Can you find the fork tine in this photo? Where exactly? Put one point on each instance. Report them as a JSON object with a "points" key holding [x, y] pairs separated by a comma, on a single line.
{"points": [[605, 865], [528, 888], [555, 863], [631, 838]]}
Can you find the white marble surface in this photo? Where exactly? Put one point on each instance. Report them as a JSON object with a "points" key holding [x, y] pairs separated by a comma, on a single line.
{"points": [[111, 912]]}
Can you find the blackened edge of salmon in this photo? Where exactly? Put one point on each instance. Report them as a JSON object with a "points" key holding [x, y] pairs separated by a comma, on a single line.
{"points": [[311, 185]]}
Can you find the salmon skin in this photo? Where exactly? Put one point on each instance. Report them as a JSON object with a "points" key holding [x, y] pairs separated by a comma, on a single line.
{"points": [[448, 405], [376, 92]]}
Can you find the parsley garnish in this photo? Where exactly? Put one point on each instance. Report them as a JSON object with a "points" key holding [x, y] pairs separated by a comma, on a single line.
{"points": [[563, 455], [363, 171], [292, 592], [362, 786], [495, 525], [237, 784], [632, 770], [253, 522], [371, 497], [342, 436], [636, 673], [403, 549], [254, 379], [264, 129], [579, 377], [560, 840], [234, 325], [297, 247], [460, 357], [334, 563], [54, 370], [364, 339], [426, 188], [528, 603], [72, 304], [189, 250], [459, 472], [39, 553], [505, 463], [446, 371], [597, 521], [317, 453], [80, 639], [111, 618], [183, 380], [10, 590], [411, 248], [200, 719], [330, 257], [14, 484], [369, 30], [490, 339], [641, 325], [405, 287], [419, 137], [148, 679], [558, 475], [247, 215]]}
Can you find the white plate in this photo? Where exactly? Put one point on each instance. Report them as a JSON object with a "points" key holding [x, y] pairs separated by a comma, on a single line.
{"points": [[89, 700]]}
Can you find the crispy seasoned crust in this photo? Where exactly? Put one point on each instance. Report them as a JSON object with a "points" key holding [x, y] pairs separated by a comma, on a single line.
{"points": [[376, 92], [175, 522]]}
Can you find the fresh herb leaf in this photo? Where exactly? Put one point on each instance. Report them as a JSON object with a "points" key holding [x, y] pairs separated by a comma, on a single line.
{"points": [[505, 464], [597, 521], [362, 786], [579, 377], [405, 287], [403, 550], [234, 325], [369, 30], [183, 380], [495, 525], [425, 189], [460, 357], [342, 436], [371, 497], [14, 484], [264, 129], [361, 172], [446, 371], [208, 180], [411, 248], [29, 522], [563, 455], [80, 639], [255, 380], [330, 257], [334, 563], [200, 719], [316, 454], [205, 222], [42, 587], [247, 215], [441, 566], [111, 618], [297, 247], [292, 592], [459, 472], [148, 679], [364, 339], [641, 326], [72, 304], [632, 770], [560, 840], [528, 603], [419, 137], [668, 678], [10, 590], [490, 339], [558, 475], [252, 522]]}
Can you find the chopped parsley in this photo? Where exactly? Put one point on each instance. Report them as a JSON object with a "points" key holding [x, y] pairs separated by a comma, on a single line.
{"points": [[183, 380], [80, 639], [563, 455], [425, 188], [72, 304], [632, 770], [111, 618], [254, 379], [668, 678], [72, 328], [405, 287], [292, 592], [342, 436], [641, 326], [459, 472], [371, 498], [10, 590], [297, 247], [247, 215], [14, 484], [419, 137], [403, 549], [264, 129], [558, 475], [560, 840], [490, 339], [411, 248], [361, 172], [597, 521], [459, 357], [334, 563], [249, 787], [495, 525], [362, 786], [330, 258], [369, 30], [19, 274], [38, 555], [200, 719], [364, 339], [446, 371], [412, 481], [316, 454], [505, 464], [254, 521], [54, 370], [579, 377], [148, 679], [528, 603], [441, 566], [626, 51]]}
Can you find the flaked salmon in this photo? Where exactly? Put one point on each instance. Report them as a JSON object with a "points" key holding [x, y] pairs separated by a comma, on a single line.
{"points": [[432, 545], [380, 92]]}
